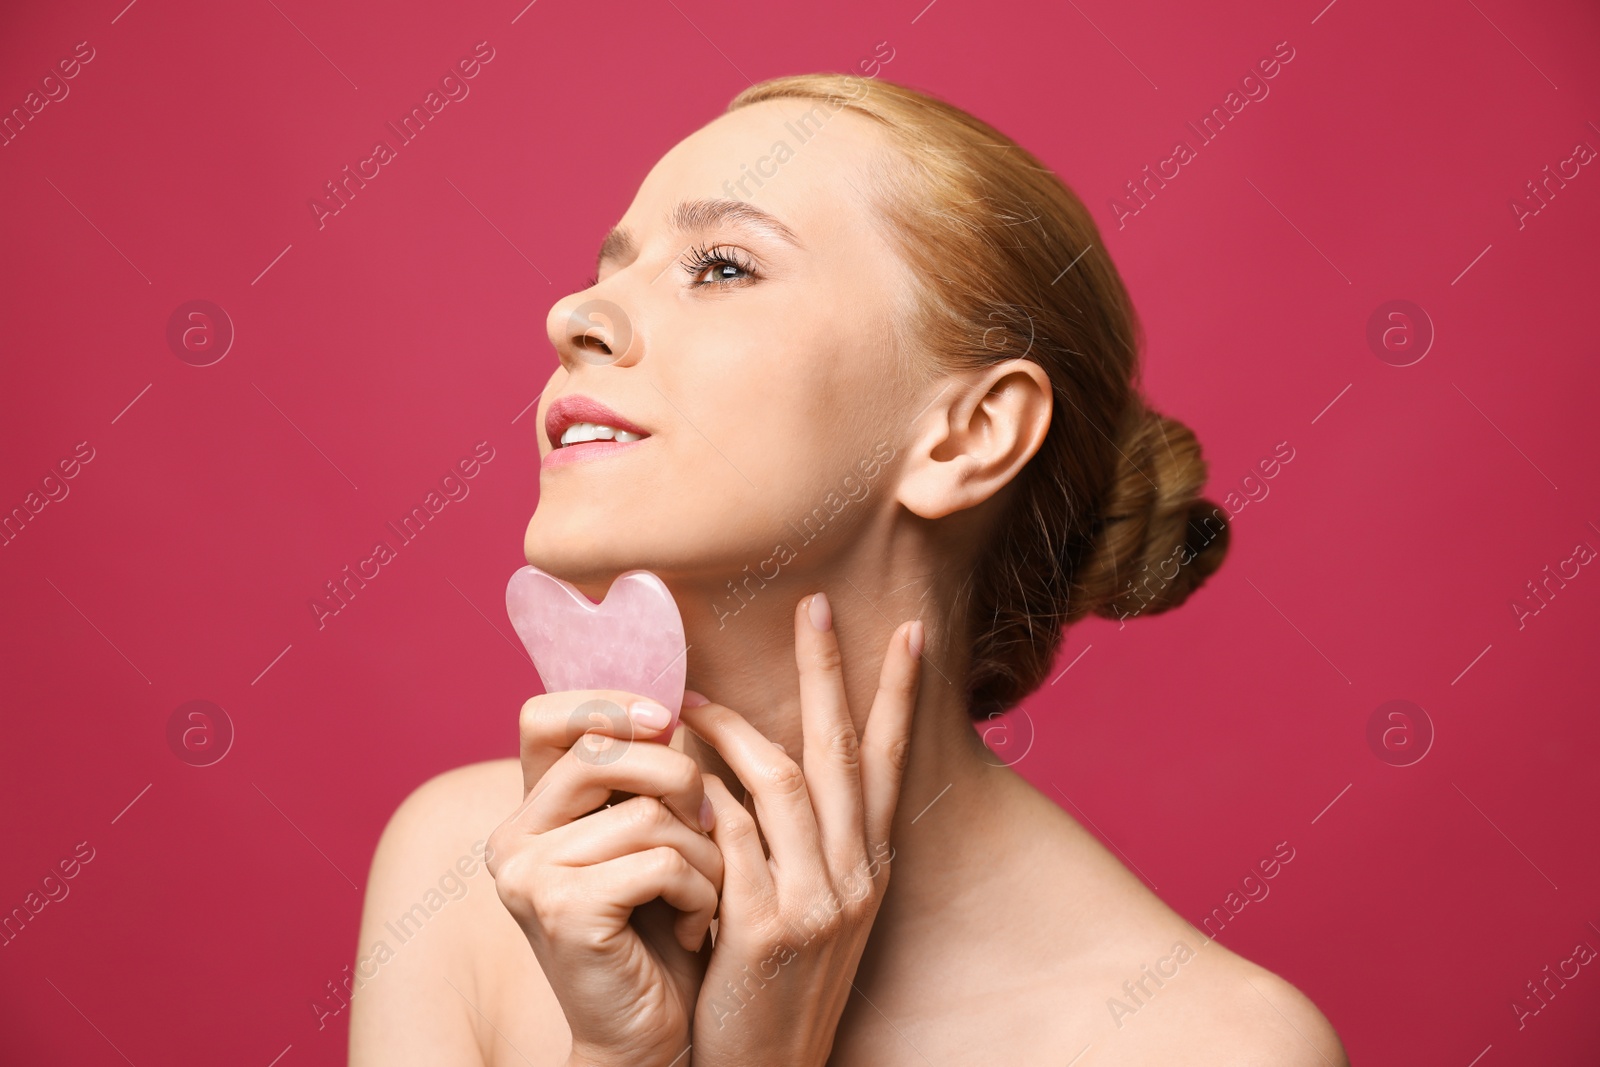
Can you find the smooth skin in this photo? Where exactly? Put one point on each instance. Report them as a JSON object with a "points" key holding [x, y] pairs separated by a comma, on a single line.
{"points": [[886, 892]]}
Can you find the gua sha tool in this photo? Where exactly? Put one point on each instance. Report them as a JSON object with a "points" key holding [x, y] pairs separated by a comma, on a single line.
{"points": [[632, 640]]}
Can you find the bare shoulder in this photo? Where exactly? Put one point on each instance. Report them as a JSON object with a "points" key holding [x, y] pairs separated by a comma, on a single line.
{"points": [[1100, 972], [429, 904], [1262, 1019], [1132, 982], [444, 825], [1199, 1003], [452, 804]]}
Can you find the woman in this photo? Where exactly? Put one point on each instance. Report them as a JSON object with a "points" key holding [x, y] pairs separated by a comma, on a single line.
{"points": [[876, 383]]}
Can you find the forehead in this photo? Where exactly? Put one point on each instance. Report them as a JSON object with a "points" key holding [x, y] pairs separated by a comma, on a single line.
{"points": [[811, 166]]}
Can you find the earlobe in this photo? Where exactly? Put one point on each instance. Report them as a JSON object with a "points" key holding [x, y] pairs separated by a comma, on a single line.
{"points": [[926, 470]]}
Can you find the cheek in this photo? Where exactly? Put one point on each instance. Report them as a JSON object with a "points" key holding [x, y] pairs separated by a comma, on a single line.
{"points": [[785, 425], [765, 457], [764, 420]]}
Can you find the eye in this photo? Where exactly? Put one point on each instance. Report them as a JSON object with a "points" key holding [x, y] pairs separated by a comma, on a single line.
{"points": [[725, 264]]}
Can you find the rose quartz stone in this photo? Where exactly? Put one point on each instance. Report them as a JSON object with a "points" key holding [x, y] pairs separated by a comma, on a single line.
{"points": [[632, 640]]}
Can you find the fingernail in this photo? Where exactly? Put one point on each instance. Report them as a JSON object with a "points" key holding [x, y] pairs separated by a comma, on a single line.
{"points": [[708, 817], [649, 714], [914, 638], [821, 614], [691, 699]]}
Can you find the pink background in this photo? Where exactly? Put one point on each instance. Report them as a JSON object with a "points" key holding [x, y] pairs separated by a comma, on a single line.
{"points": [[374, 353]]}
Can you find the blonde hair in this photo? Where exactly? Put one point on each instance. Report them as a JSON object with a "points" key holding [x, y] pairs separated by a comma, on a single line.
{"points": [[1009, 263]]}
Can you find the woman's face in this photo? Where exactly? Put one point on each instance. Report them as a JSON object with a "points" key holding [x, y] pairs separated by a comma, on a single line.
{"points": [[743, 318]]}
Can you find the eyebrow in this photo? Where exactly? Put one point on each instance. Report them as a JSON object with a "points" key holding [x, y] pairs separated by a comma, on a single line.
{"points": [[692, 216]]}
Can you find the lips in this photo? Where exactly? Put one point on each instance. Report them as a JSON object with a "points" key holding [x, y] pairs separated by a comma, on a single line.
{"points": [[568, 410], [576, 408]]}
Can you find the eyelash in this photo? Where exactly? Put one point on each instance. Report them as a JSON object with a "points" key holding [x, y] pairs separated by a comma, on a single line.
{"points": [[700, 258]]}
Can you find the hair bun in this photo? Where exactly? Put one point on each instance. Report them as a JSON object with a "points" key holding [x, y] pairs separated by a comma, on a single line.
{"points": [[1158, 540]]}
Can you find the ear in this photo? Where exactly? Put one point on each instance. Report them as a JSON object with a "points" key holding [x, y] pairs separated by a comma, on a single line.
{"points": [[975, 437]]}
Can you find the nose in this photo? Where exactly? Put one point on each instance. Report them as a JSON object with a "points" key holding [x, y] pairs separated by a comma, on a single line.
{"points": [[590, 330]]}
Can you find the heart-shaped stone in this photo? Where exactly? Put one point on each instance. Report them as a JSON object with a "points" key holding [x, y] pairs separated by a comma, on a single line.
{"points": [[632, 640]]}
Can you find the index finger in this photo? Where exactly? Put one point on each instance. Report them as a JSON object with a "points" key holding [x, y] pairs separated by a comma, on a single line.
{"points": [[832, 748], [596, 721], [886, 740]]}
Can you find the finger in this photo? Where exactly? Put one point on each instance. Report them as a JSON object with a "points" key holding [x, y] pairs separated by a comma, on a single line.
{"points": [[639, 877], [783, 803], [738, 838], [580, 782], [886, 740], [662, 928], [832, 748], [551, 723], [635, 825]]}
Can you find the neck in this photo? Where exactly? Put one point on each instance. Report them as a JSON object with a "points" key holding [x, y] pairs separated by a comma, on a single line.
{"points": [[954, 789]]}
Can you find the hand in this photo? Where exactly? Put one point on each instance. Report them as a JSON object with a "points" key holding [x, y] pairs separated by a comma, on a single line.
{"points": [[572, 875], [792, 927]]}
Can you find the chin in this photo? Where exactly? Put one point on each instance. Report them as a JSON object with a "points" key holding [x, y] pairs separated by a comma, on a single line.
{"points": [[694, 546], [571, 551], [567, 554]]}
